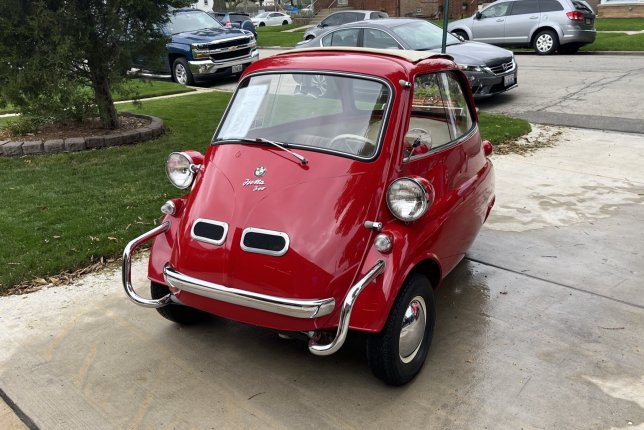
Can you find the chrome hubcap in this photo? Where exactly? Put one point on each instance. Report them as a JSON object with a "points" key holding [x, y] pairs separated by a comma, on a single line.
{"points": [[413, 329], [319, 83], [180, 74], [544, 43]]}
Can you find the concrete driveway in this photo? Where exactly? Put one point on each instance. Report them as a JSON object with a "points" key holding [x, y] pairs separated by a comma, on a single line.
{"points": [[541, 327]]}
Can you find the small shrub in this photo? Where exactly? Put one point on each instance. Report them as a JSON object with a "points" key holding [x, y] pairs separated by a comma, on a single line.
{"points": [[22, 125]]}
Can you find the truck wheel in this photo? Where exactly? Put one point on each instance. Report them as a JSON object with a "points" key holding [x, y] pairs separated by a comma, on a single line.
{"points": [[181, 72], [179, 314], [546, 42], [398, 352]]}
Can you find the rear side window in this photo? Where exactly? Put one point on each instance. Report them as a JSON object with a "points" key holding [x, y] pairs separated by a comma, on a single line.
{"points": [[378, 39], [523, 7], [440, 114], [376, 15], [351, 17], [348, 37], [550, 5], [335, 19]]}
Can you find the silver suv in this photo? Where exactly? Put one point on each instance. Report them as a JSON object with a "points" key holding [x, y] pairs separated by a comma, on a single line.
{"points": [[545, 25], [343, 17]]}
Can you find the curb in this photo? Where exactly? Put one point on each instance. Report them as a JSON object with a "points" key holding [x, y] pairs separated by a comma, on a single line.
{"points": [[18, 148]]}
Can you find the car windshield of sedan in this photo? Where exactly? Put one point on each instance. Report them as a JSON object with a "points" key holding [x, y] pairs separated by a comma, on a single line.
{"points": [[326, 112], [422, 35], [190, 21]]}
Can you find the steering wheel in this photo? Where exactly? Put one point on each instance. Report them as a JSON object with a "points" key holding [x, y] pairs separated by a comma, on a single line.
{"points": [[351, 143]]}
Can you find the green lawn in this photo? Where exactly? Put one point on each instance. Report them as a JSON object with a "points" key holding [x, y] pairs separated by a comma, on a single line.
{"points": [[619, 24], [616, 42], [142, 88], [276, 36], [63, 212]]}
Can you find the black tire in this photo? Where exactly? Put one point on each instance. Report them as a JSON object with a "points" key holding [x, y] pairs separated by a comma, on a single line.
{"points": [[309, 37], [181, 72], [384, 352], [461, 34], [179, 314], [546, 42], [262, 24], [284, 22]]}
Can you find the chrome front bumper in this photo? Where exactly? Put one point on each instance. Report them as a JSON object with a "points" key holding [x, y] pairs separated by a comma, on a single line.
{"points": [[209, 67], [296, 308], [278, 305]]}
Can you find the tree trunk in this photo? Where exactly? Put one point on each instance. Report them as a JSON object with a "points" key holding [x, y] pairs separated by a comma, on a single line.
{"points": [[104, 101]]}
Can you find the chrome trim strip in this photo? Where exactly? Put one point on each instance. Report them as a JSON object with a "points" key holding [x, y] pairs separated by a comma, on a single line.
{"points": [[345, 314], [205, 239], [126, 271], [265, 251], [296, 308]]}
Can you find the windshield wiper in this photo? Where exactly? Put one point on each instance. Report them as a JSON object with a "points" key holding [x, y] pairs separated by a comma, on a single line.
{"points": [[280, 145]]}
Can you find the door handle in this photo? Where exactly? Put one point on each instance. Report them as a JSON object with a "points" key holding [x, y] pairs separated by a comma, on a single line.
{"points": [[500, 20], [534, 17]]}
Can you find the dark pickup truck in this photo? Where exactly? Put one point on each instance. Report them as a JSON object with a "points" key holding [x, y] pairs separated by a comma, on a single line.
{"points": [[200, 48]]}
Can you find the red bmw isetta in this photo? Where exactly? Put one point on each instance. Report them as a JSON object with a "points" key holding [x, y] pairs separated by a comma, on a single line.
{"points": [[340, 188]]}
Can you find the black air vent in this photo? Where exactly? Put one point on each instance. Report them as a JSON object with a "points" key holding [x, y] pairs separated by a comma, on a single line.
{"points": [[209, 231], [265, 241]]}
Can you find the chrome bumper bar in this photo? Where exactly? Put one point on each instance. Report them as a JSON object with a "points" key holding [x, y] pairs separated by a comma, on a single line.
{"points": [[345, 315], [206, 67], [126, 271], [278, 305]]}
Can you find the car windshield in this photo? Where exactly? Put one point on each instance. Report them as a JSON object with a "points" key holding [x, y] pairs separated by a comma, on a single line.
{"points": [[190, 21], [422, 35], [326, 112]]}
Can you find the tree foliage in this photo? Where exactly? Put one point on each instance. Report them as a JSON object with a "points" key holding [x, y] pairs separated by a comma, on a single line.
{"points": [[52, 52]]}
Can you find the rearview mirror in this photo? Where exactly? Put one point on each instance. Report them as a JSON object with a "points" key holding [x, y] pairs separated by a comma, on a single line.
{"points": [[478, 15]]}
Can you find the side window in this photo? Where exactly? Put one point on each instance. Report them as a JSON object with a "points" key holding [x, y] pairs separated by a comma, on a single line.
{"points": [[496, 11], [348, 37], [524, 7], [439, 115], [350, 17], [335, 19], [550, 5], [378, 39], [377, 15]]}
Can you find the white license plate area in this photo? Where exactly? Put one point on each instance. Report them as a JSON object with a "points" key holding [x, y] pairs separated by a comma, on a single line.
{"points": [[237, 68], [508, 80]]}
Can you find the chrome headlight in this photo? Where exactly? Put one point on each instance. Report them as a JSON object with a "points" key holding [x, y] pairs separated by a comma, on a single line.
{"points": [[180, 170], [408, 199]]}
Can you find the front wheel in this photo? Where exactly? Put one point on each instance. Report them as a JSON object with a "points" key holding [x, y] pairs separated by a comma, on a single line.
{"points": [[262, 24], [181, 72], [398, 352], [461, 34], [546, 42], [179, 314], [284, 22]]}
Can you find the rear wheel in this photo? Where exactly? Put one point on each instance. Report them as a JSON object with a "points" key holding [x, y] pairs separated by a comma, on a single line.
{"points": [[546, 42], [262, 24], [181, 72], [176, 313], [398, 352], [461, 34]]}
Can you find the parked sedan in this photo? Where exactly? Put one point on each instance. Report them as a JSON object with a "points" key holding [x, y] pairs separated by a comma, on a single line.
{"points": [[271, 18], [343, 17], [489, 69]]}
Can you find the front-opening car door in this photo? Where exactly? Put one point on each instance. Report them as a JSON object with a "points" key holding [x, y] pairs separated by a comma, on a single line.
{"points": [[522, 21], [489, 25]]}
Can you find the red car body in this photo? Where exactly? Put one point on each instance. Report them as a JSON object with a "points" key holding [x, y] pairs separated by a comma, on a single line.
{"points": [[329, 210]]}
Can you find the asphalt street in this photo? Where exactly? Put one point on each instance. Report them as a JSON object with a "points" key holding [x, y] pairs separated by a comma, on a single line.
{"points": [[540, 327]]}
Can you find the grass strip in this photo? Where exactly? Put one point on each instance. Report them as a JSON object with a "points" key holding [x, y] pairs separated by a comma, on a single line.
{"points": [[616, 42], [619, 24]]}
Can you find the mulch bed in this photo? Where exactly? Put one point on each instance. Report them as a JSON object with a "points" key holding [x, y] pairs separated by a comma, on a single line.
{"points": [[76, 129]]}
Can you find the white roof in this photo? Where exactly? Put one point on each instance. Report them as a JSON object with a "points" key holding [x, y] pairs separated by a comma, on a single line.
{"points": [[411, 56]]}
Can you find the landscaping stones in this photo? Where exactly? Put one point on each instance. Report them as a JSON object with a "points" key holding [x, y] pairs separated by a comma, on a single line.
{"points": [[19, 148]]}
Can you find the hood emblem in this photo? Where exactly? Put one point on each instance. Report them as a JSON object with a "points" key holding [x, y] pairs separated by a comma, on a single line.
{"points": [[260, 171]]}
